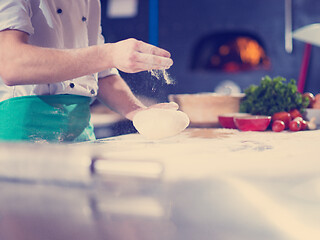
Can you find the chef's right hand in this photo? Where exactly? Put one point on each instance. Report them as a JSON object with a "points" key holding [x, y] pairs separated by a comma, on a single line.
{"points": [[133, 56]]}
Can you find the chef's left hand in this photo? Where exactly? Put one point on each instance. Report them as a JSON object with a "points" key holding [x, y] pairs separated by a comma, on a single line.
{"points": [[171, 106]]}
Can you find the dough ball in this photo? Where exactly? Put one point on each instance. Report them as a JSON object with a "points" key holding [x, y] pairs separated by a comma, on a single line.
{"points": [[155, 123]]}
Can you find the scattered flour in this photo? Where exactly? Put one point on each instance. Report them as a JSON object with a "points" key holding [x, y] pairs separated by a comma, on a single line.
{"points": [[162, 74]]}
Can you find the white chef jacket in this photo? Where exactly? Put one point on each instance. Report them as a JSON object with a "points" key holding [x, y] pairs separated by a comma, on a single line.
{"points": [[62, 24]]}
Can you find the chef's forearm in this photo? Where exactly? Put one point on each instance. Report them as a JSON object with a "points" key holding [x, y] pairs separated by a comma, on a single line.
{"points": [[22, 63], [116, 94]]}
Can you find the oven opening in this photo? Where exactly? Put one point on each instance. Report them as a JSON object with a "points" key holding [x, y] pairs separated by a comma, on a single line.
{"points": [[230, 52]]}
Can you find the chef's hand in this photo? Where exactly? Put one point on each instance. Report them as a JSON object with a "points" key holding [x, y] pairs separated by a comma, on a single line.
{"points": [[133, 56], [171, 105]]}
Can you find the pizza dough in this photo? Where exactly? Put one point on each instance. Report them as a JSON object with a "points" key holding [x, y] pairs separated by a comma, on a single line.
{"points": [[157, 123]]}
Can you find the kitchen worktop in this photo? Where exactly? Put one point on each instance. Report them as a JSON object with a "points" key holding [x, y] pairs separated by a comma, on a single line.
{"points": [[211, 151], [202, 184]]}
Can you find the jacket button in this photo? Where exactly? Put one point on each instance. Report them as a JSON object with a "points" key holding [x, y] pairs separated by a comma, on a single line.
{"points": [[84, 19], [92, 91], [71, 85], [59, 10]]}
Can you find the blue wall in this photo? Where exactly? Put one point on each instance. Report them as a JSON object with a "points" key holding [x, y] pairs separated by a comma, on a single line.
{"points": [[183, 23]]}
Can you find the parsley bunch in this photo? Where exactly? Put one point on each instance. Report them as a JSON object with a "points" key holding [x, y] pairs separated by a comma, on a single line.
{"points": [[271, 96]]}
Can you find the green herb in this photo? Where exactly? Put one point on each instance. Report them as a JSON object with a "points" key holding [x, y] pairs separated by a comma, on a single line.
{"points": [[271, 96]]}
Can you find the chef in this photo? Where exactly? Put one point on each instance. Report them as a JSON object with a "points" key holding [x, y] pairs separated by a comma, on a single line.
{"points": [[54, 63]]}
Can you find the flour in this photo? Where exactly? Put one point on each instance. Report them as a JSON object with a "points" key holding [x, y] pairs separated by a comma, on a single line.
{"points": [[162, 74]]}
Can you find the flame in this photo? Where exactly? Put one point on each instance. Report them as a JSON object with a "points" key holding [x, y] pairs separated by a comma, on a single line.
{"points": [[250, 51], [240, 54]]}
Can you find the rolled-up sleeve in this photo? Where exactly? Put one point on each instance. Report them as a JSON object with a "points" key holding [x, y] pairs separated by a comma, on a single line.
{"points": [[110, 71], [16, 15]]}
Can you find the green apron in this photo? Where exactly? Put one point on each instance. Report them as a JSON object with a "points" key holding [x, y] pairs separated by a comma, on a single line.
{"points": [[54, 118]]}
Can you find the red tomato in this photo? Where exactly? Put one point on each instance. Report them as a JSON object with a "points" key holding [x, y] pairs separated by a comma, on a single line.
{"points": [[295, 125], [304, 125], [295, 113], [282, 116], [311, 98], [278, 126]]}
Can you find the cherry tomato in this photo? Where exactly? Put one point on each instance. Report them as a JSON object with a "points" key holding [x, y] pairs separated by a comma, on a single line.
{"points": [[311, 98], [295, 125], [295, 113], [278, 126], [304, 125], [282, 116]]}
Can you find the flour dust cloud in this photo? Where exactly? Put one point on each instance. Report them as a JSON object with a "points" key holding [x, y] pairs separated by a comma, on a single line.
{"points": [[162, 74]]}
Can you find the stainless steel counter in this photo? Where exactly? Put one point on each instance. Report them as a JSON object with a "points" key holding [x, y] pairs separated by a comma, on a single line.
{"points": [[203, 184]]}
